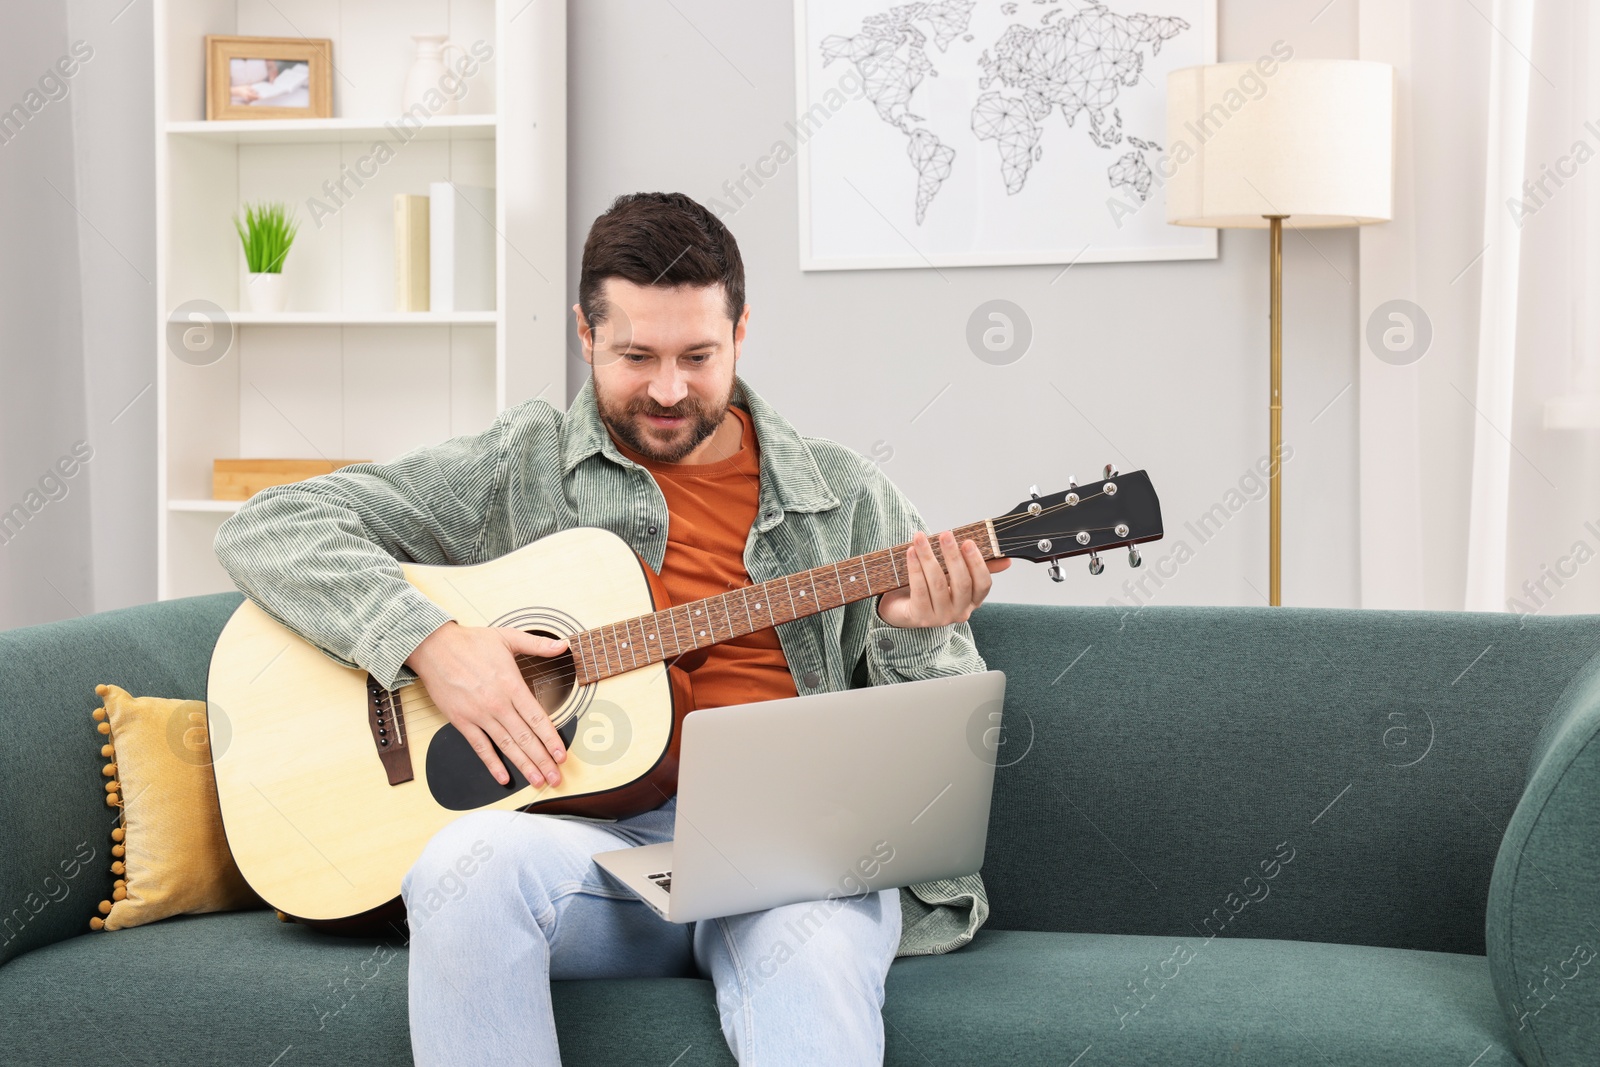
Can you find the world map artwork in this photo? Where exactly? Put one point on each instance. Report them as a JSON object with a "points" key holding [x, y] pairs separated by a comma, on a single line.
{"points": [[1074, 64]]}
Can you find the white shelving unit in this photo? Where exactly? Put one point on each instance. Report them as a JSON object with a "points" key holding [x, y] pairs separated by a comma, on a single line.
{"points": [[367, 318], [221, 507], [310, 131], [342, 374]]}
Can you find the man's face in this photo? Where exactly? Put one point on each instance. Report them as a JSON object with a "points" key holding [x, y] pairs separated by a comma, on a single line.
{"points": [[663, 364]]}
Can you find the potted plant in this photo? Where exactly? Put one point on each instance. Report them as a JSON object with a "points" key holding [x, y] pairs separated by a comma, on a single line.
{"points": [[266, 232]]}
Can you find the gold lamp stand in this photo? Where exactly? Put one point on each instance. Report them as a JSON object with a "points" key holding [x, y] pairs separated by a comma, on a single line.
{"points": [[1275, 410]]}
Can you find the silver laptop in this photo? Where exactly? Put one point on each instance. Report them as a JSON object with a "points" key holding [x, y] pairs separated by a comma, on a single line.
{"points": [[832, 795]]}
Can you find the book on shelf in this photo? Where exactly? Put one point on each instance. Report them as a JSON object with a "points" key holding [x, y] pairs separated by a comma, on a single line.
{"points": [[412, 263], [461, 247]]}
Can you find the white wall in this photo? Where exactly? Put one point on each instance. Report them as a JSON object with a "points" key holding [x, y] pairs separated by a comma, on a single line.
{"points": [[1165, 364]]}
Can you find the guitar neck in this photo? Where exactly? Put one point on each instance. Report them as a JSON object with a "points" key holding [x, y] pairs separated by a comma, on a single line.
{"points": [[663, 635]]}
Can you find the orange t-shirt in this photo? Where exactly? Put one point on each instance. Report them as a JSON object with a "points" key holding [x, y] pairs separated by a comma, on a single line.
{"points": [[710, 509]]}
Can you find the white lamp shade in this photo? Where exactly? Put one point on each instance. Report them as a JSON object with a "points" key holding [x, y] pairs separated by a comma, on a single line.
{"points": [[1313, 140]]}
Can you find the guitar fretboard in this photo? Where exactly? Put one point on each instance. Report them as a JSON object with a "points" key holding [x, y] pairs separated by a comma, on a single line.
{"points": [[663, 635]]}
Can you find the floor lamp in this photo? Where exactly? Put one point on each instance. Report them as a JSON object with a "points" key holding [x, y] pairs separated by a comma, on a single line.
{"points": [[1252, 144]]}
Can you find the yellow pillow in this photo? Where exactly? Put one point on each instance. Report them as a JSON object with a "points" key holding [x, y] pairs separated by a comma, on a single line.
{"points": [[169, 849]]}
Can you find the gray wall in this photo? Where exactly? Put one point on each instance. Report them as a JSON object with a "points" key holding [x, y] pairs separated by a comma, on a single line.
{"points": [[114, 115], [1165, 364], [77, 311]]}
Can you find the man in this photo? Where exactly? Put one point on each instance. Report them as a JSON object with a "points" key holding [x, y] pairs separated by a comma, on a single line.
{"points": [[669, 448]]}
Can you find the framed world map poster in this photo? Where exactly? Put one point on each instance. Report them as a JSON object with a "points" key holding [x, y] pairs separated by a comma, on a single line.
{"points": [[966, 133]]}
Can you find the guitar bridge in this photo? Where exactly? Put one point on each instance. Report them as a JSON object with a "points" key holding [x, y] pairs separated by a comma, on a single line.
{"points": [[387, 718]]}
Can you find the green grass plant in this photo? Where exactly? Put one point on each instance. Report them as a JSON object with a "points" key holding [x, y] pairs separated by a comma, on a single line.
{"points": [[266, 232]]}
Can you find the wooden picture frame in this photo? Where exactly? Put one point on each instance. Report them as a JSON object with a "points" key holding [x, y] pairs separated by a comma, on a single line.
{"points": [[301, 69]]}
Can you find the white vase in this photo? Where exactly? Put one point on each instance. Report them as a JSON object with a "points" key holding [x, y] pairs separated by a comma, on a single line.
{"points": [[265, 292], [428, 72]]}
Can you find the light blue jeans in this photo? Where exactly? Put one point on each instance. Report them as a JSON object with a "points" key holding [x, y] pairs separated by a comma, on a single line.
{"points": [[501, 903]]}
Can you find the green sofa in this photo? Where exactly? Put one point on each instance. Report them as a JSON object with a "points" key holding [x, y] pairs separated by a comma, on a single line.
{"points": [[1219, 836]]}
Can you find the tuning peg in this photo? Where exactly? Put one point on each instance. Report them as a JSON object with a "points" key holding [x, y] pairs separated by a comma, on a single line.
{"points": [[1095, 565], [1111, 470], [1054, 570], [1033, 491], [1034, 507], [1134, 559], [1072, 481]]}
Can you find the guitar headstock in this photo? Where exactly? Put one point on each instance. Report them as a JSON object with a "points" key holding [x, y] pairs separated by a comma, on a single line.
{"points": [[1111, 511]]}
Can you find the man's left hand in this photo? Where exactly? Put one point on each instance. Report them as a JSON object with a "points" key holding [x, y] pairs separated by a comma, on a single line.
{"points": [[934, 598]]}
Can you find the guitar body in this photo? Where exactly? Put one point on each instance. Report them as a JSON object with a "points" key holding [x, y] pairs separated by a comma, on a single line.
{"points": [[312, 816]]}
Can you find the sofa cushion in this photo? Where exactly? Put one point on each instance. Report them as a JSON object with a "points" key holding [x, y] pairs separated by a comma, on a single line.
{"points": [[170, 847], [1045, 998], [243, 988], [1154, 758]]}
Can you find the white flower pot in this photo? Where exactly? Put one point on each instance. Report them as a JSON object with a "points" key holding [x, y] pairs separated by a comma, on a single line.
{"points": [[265, 292]]}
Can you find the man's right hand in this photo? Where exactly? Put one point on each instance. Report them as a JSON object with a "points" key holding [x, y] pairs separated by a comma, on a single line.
{"points": [[472, 675]]}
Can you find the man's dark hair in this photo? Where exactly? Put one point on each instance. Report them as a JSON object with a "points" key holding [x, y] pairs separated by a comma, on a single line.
{"points": [[663, 239]]}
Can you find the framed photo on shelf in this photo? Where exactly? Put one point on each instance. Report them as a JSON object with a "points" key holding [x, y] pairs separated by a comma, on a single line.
{"points": [[269, 78]]}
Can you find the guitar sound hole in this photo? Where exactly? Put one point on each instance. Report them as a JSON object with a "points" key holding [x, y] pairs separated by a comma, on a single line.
{"points": [[458, 779], [550, 677]]}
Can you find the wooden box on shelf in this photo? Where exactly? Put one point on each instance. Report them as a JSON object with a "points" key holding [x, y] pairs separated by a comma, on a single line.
{"points": [[240, 479]]}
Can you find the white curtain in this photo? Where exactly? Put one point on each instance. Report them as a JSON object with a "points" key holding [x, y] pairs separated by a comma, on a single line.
{"points": [[77, 310], [1478, 456]]}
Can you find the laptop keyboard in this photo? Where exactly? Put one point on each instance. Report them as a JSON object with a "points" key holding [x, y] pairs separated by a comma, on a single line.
{"points": [[662, 879]]}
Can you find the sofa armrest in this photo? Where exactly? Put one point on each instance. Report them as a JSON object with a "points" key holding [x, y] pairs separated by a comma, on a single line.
{"points": [[1543, 927], [55, 859]]}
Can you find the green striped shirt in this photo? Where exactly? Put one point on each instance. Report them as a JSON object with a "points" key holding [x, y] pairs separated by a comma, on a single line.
{"points": [[320, 557]]}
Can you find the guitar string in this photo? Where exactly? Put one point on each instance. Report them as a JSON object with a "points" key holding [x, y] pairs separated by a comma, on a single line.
{"points": [[418, 714], [999, 525], [563, 676], [566, 676]]}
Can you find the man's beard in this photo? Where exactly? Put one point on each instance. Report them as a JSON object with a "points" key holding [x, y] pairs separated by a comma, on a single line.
{"points": [[625, 423]]}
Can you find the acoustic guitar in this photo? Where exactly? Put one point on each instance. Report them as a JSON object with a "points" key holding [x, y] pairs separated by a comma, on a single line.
{"points": [[330, 784]]}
